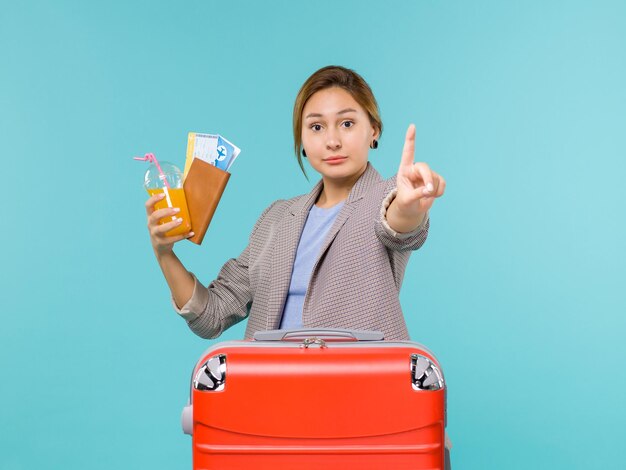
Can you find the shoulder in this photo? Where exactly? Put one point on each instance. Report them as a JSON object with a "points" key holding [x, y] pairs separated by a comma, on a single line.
{"points": [[388, 185], [276, 211], [280, 206], [380, 187]]}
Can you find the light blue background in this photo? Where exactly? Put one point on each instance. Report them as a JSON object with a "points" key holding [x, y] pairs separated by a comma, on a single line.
{"points": [[519, 289]]}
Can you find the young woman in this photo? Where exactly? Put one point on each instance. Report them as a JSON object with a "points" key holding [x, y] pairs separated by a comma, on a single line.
{"points": [[333, 258]]}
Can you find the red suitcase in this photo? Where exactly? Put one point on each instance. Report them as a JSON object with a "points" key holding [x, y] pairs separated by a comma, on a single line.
{"points": [[332, 399]]}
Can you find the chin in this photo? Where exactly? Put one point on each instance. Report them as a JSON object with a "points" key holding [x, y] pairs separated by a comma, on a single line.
{"points": [[345, 170]]}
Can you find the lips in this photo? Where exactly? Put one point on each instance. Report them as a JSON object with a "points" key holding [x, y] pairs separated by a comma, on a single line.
{"points": [[335, 159]]}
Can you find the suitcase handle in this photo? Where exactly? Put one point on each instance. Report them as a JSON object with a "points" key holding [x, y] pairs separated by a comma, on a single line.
{"points": [[327, 334]]}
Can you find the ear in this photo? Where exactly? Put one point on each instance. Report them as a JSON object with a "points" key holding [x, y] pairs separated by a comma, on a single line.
{"points": [[375, 133]]}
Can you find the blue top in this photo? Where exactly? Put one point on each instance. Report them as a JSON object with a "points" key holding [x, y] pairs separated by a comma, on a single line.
{"points": [[317, 225]]}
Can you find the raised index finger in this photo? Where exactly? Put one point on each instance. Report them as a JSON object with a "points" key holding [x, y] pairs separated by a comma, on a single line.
{"points": [[408, 151]]}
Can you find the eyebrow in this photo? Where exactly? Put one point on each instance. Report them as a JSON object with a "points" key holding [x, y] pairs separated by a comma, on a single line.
{"points": [[343, 111]]}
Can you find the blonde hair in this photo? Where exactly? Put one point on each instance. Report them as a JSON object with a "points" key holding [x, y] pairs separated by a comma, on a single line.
{"points": [[328, 77]]}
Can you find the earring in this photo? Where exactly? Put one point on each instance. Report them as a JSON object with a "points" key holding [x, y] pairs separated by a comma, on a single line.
{"points": [[374, 144], [303, 153]]}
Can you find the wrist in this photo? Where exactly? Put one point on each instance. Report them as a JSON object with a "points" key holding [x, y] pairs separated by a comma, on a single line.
{"points": [[163, 255], [403, 220]]}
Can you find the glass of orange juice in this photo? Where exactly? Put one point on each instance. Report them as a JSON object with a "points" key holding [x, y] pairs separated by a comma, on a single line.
{"points": [[169, 181]]}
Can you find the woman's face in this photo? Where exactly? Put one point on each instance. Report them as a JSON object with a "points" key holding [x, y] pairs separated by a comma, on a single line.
{"points": [[336, 134]]}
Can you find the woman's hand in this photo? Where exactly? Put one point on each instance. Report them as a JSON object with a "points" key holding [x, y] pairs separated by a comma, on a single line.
{"points": [[418, 187], [161, 243]]}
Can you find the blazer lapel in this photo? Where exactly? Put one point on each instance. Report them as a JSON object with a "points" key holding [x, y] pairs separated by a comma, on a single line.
{"points": [[284, 253], [288, 236], [360, 188]]}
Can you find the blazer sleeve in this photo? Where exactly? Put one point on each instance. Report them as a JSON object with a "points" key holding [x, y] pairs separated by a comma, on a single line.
{"points": [[399, 241], [225, 301]]}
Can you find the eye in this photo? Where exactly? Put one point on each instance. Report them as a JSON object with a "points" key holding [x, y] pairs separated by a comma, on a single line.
{"points": [[347, 124], [316, 127]]}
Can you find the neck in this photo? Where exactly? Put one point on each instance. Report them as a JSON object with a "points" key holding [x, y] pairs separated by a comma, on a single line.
{"points": [[336, 190]]}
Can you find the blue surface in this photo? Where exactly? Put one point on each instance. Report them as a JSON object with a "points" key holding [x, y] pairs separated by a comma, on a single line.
{"points": [[519, 289]]}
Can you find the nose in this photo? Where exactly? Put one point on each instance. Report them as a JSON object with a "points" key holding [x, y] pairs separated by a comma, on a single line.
{"points": [[333, 142]]}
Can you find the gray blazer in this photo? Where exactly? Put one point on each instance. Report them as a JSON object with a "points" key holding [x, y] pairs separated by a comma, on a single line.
{"points": [[355, 281]]}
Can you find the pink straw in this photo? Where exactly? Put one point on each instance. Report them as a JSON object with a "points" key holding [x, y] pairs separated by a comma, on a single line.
{"points": [[151, 158]]}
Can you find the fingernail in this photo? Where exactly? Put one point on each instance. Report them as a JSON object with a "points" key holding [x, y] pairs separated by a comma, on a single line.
{"points": [[430, 187], [425, 191], [179, 220], [161, 196], [191, 234], [176, 209]]}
